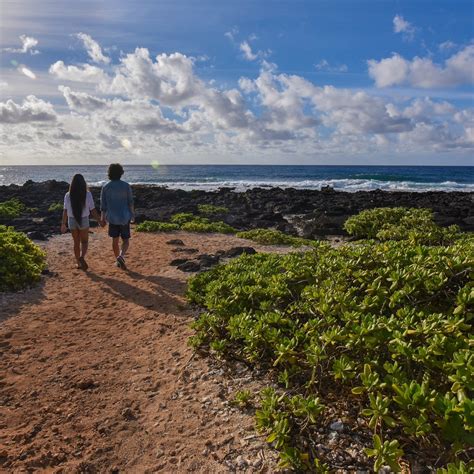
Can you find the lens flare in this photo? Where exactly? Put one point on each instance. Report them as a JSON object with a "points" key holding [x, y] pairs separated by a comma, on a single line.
{"points": [[14, 63], [126, 143], [27, 72], [155, 165]]}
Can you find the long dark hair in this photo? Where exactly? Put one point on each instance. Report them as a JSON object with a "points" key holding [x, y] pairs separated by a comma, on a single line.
{"points": [[77, 193]]}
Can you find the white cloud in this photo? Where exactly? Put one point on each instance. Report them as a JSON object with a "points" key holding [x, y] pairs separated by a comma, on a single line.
{"points": [[84, 73], [93, 49], [400, 25], [324, 65], [422, 72], [247, 51], [27, 46], [31, 110], [447, 46]]}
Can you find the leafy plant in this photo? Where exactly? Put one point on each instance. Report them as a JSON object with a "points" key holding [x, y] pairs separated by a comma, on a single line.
{"points": [[210, 209], [197, 226], [385, 453], [273, 237], [21, 261], [55, 207], [243, 398], [11, 208], [400, 223], [156, 226], [390, 322]]}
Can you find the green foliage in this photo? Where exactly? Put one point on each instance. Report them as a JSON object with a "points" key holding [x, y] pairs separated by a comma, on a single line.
{"points": [[55, 207], [11, 208], [199, 226], [183, 217], [401, 223], [390, 322], [243, 398], [273, 237], [386, 453], [210, 209], [458, 467], [21, 261], [156, 226]]}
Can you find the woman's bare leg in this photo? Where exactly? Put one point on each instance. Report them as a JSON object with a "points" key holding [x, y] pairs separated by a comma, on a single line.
{"points": [[84, 235], [77, 244]]}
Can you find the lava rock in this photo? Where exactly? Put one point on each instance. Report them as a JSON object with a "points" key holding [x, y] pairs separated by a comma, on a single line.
{"points": [[175, 242], [190, 266], [236, 251], [36, 235], [178, 261]]}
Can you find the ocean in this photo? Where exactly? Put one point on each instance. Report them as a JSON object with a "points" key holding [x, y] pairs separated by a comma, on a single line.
{"points": [[242, 177]]}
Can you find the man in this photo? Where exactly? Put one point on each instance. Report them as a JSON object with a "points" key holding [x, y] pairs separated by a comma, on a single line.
{"points": [[116, 204]]}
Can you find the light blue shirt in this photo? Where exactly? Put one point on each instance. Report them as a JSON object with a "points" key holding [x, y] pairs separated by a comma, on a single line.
{"points": [[116, 201]]}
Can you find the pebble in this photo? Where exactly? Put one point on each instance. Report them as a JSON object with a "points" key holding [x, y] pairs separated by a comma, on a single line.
{"points": [[337, 426]]}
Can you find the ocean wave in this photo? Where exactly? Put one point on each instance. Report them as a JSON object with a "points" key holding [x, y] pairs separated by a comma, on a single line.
{"points": [[349, 185]]}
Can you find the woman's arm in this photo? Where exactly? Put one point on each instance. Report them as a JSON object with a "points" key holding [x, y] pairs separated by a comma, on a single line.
{"points": [[64, 222], [97, 216]]}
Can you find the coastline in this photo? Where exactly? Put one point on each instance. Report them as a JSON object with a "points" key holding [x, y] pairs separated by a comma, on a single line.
{"points": [[303, 212]]}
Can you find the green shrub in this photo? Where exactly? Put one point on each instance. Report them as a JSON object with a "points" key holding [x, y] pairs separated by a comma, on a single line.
{"points": [[211, 209], [58, 206], [183, 217], [400, 223], [273, 237], [21, 261], [11, 208], [156, 226], [386, 326], [200, 226]]}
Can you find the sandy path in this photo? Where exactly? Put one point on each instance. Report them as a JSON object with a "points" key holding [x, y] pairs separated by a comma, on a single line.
{"points": [[89, 367]]}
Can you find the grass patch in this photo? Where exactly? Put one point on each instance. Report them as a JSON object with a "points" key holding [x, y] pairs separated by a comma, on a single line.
{"points": [[21, 261], [204, 227]]}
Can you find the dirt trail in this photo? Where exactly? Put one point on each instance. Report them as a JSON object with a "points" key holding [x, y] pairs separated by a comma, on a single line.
{"points": [[89, 370]]}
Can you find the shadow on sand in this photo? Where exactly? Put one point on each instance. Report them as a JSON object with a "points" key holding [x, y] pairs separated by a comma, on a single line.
{"points": [[165, 298]]}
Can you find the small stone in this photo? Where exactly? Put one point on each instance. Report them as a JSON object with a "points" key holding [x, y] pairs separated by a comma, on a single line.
{"points": [[337, 426], [128, 414], [175, 242]]}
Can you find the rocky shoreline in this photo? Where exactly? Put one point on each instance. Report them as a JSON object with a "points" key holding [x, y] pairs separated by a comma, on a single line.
{"points": [[307, 213]]}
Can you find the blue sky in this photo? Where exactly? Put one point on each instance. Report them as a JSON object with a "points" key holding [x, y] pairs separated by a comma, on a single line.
{"points": [[287, 81]]}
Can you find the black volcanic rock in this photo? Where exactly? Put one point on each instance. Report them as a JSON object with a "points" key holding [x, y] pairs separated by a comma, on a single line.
{"points": [[308, 213]]}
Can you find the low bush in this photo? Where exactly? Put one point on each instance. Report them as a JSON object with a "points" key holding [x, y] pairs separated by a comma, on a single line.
{"points": [[199, 226], [11, 208], [384, 328], [156, 226], [273, 237], [211, 209], [401, 223], [183, 217], [58, 206], [21, 261]]}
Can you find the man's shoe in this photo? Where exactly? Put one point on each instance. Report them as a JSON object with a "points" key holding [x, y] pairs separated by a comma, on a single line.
{"points": [[121, 262]]}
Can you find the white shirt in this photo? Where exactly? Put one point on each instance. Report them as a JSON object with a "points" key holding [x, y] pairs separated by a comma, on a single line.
{"points": [[88, 206]]}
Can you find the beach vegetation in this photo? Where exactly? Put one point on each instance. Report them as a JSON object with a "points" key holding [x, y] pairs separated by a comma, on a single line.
{"points": [[273, 237], [11, 209], [55, 207], [156, 226], [209, 209], [21, 260], [200, 225], [183, 217], [400, 223], [381, 328]]}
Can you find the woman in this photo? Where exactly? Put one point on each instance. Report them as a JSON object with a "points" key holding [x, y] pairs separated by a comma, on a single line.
{"points": [[78, 204]]}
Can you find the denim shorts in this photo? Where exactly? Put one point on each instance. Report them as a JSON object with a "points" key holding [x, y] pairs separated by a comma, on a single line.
{"points": [[73, 225]]}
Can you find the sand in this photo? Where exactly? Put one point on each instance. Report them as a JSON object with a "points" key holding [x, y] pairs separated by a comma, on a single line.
{"points": [[91, 369]]}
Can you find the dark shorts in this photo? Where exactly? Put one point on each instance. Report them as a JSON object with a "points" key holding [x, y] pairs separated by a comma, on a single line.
{"points": [[116, 230]]}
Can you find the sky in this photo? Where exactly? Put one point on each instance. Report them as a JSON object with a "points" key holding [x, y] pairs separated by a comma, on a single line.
{"points": [[227, 82]]}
